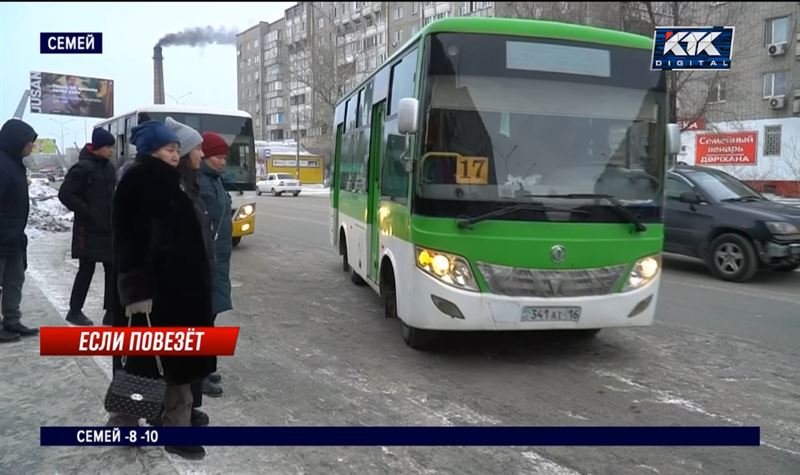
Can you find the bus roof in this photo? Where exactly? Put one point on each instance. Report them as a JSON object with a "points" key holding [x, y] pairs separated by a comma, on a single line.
{"points": [[518, 27], [179, 109]]}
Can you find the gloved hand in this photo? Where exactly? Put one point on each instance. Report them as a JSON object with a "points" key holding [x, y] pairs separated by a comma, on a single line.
{"points": [[145, 306]]}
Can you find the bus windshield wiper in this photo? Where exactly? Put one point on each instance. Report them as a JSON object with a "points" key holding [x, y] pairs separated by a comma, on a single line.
{"points": [[619, 207], [466, 222]]}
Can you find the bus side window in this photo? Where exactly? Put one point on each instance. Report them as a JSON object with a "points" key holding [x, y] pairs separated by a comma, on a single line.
{"points": [[349, 161]]}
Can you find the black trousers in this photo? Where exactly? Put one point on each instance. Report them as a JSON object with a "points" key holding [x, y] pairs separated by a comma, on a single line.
{"points": [[197, 386], [84, 279]]}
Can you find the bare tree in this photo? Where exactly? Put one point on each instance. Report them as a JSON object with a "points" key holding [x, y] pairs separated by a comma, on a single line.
{"points": [[313, 70], [692, 94], [789, 161]]}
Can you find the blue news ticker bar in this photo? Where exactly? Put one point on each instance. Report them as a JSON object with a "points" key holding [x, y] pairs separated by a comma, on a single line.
{"points": [[404, 436]]}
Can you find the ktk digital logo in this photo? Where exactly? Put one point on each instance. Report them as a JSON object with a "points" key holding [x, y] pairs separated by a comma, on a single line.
{"points": [[71, 43], [687, 48]]}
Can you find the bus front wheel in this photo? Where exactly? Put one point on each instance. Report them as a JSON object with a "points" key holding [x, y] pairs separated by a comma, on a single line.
{"points": [[236, 241], [417, 338], [585, 333]]}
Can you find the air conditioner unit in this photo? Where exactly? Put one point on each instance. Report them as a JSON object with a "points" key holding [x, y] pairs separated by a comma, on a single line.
{"points": [[776, 49], [777, 102]]}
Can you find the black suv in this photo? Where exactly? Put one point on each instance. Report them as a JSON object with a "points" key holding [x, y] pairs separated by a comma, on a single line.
{"points": [[733, 228]]}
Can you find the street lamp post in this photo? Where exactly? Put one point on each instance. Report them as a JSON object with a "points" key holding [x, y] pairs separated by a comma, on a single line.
{"points": [[62, 124], [178, 100]]}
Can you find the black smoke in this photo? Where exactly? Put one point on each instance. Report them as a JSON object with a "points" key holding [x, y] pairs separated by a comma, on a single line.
{"points": [[199, 36]]}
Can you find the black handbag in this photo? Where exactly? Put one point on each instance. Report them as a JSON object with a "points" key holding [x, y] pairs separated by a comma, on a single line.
{"points": [[135, 395]]}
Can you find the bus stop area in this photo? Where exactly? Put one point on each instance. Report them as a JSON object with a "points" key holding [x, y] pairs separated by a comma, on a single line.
{"points": [[718, 354]]}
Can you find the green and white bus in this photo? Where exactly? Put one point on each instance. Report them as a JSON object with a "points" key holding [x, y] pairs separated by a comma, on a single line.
{"points": [[499, 174]]}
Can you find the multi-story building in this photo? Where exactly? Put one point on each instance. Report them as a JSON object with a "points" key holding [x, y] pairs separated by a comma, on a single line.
{"points": [[250, 91], [297, 67], [748, 118]]}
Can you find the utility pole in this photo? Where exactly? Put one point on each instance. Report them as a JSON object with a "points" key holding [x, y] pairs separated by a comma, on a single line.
{"points": [[298, 142]]}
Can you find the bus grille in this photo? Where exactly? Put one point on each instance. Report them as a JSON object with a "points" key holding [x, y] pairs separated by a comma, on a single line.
{"points": [[520, 282]]}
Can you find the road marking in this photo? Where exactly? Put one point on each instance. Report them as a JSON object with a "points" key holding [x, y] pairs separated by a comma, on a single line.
{"points": [[766, 294]]}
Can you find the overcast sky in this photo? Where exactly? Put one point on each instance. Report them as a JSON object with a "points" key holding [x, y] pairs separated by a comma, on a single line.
{"points": [[130, 30]]}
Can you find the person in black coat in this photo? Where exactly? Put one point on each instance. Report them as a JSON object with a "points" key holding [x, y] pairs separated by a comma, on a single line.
{"points": [[191, 147], [88, 190], [161, 266], [16, 142]]}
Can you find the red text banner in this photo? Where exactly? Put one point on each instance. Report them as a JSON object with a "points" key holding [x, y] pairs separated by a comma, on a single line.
{"points": [[138, 341]]}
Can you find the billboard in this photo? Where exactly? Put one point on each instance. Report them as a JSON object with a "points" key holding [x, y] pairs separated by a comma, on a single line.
{"points": [[697, 124], [732, 148], [65, 94], [45, 146]]}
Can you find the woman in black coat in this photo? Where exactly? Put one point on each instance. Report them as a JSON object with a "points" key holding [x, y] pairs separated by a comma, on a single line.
{"points": [[87, 191], [161, 265]]}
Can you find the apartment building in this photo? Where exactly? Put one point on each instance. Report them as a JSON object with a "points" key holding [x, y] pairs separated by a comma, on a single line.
{"points": [[757, 100], [249, 72], [292, 71]]}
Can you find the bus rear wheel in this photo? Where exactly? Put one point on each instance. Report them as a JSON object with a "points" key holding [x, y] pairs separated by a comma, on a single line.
{"points": [[354, 277]]}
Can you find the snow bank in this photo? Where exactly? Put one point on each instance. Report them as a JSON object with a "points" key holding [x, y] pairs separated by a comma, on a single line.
{"points": [[47, 213]]}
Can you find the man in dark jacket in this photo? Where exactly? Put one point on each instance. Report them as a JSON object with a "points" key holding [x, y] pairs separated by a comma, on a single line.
{"points": [[88, 190], [16, 142]]}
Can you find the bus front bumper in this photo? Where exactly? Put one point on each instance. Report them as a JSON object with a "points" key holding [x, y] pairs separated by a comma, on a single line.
{"points": [[434, 309]]}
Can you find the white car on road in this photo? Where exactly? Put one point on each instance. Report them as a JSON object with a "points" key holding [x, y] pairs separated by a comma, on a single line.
{"points": [[278, 184], [38, 178]]}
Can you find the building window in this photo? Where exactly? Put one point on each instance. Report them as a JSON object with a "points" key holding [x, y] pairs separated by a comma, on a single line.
{"points": [[398, 13], [298, 99], [772, 140], [414, 8], [777, 31], [398, 35], [717, 92], [414, 29], [321, 23], [774, 84]]}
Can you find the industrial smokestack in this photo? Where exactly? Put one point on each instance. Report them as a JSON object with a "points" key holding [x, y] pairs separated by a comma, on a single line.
{"points": [[158, 76]]}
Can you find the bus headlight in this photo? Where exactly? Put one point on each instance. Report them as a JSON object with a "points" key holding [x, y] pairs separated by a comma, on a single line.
{"points": [[450, 269], [245, 211], [643, 272]]}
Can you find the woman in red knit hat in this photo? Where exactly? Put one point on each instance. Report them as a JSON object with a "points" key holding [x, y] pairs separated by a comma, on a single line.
{"points": [[218, 204]]}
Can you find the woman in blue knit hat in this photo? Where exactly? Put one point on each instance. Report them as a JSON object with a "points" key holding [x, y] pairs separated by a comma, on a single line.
{"points": [[162, 268]]}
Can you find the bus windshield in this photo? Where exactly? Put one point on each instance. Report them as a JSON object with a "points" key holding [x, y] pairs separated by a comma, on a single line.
{"points": [[511, 120], [238, 134]]}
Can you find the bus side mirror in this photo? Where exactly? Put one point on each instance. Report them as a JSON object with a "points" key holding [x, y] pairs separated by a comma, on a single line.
{"points": [[673, 139], [407, 115], [673, 145]]}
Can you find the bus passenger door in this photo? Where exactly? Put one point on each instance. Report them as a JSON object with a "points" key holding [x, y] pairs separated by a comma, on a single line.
{"points": [[374, 199], [334, 186]]}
